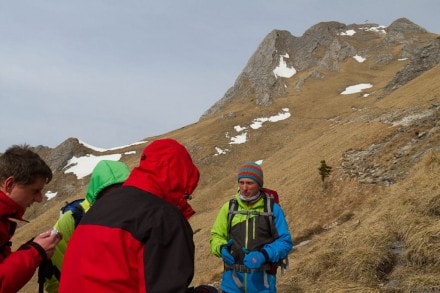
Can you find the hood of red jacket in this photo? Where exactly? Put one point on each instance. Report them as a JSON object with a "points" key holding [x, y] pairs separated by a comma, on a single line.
{"points": [[166, 170]]}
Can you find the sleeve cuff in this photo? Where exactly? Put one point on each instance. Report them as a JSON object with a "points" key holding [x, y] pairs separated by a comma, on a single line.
{"points": [[266, 256], [40, 249]]}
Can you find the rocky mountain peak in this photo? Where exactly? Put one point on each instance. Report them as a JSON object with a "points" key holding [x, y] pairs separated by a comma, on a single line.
{"points": [[58, 157], [323, 48], [404, 25]]}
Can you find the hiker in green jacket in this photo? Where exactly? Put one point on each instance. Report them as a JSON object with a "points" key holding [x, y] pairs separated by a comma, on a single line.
{"points": [[106, 176], [251, 236]]}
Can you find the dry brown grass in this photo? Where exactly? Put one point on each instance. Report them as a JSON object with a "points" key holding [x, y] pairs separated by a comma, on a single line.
{"points": [[361, 237]]}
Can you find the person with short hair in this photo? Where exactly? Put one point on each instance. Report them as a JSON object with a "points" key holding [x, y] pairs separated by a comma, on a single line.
{"points": [[251, 237], [23, 175]]}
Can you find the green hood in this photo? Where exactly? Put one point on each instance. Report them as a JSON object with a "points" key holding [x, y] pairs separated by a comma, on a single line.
{"points": [[104, 174]]}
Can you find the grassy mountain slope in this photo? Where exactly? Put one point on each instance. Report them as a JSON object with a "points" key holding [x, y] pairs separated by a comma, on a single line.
{"points": [[376, 225]]}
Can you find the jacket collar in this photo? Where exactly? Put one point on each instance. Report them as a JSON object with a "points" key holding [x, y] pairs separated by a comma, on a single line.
{"points": [[9, 208]]}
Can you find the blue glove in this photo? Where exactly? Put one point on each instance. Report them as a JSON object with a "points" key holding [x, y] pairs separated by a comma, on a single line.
{"points": [[254, 260], [226, 255]]}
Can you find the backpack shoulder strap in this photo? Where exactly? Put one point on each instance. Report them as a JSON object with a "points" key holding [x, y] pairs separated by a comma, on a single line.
{"points": [[77, 213], [268, 211], [69, 205], [233, 207], [76, 208]]}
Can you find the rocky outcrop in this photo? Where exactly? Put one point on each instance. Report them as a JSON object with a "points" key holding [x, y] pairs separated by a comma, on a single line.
{"points": [[323, 47], [402, 30], [423, 59], [258, 81], [390, 160], [58, 157]]}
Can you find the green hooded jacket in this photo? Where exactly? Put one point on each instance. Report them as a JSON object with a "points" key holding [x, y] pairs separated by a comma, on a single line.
{"points": [[105, 174]]}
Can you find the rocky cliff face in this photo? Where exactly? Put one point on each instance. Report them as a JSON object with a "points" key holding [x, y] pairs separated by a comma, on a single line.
{"points": [[391, 159], [65, 185], [58, 157], [423, 58], [323, 48]]}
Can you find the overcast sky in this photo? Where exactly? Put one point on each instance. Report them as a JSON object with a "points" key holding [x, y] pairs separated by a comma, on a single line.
{"points": [[115, 72]]}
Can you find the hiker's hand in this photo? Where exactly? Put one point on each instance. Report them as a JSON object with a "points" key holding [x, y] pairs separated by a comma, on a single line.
{"points": [[48, 240], [254, 259], [226, 255]]}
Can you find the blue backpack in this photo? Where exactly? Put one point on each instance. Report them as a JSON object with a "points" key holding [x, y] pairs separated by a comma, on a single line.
{"points": [[76, 209]]}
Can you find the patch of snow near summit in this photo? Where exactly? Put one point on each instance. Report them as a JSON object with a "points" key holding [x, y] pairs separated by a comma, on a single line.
{"points": [[359, 59], [84, 165], [282, 70], [356, 88]]}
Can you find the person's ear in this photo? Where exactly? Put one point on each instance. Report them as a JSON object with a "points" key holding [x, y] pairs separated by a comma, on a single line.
{"points": [[9, 184]]}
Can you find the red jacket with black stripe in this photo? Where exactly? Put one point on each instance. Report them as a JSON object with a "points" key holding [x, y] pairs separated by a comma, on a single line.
{"points": [[137, 238], [18, 267]]}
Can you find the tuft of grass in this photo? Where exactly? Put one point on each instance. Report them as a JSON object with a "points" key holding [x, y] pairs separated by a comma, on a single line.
{"points": [[433, 208], [432, 162], [424, 246], [318, 264]]}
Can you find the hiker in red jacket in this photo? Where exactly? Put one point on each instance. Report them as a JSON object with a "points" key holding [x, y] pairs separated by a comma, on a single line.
{"points": [[23, 175], [137, 238]]}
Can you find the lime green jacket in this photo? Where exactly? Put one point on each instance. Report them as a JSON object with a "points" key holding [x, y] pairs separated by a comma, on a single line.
{"points": [[105, 174], [219, 231]]}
